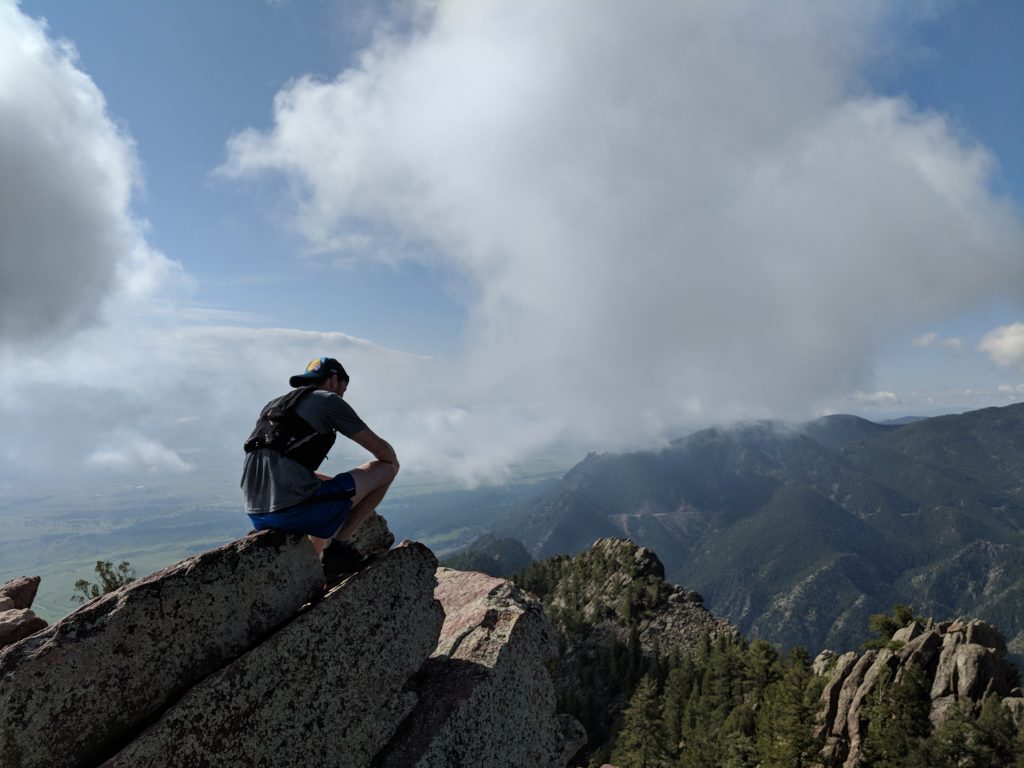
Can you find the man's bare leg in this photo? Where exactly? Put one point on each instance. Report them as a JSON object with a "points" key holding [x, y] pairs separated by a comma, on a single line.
{"points": [[319, 545], [372, 482], [360, 512]]}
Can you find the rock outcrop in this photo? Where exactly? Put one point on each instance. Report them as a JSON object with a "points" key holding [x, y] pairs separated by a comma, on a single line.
{"points": [[959, 661], [17, 623], [331, 681], [21, 592], [102, 671], [486, 690], [373, 536], [621, 586], [610, 603], [17, 620], [236, 657]]}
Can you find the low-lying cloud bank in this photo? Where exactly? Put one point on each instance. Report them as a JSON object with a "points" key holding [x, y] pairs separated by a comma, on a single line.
{"points": [[163, 400]]}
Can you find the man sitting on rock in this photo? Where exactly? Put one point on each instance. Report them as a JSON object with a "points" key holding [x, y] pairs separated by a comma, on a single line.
{"points": [[281, 486]]}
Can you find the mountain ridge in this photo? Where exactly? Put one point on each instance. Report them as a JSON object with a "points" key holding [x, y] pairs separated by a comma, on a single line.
{"points": [[798, 533]]}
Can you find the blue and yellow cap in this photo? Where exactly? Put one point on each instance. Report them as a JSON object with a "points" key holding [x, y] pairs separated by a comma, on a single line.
{"points": [[318, 371]]}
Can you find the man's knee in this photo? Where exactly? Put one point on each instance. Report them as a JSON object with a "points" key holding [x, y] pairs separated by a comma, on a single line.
{"points": [[381, 475], [381, 472]]}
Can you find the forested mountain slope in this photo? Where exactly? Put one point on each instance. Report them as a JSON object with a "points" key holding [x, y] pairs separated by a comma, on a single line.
{"points": [[798, 534], [658, 680]]}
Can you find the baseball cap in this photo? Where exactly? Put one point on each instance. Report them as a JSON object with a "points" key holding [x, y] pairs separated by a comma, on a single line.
{"points": [[318, 371]]}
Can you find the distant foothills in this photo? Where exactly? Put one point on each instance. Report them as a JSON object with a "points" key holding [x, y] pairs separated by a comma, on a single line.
{"points": [[798, 534]]}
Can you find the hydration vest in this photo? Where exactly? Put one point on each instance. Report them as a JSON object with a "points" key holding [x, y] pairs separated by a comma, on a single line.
{"points": [[281, 429]]}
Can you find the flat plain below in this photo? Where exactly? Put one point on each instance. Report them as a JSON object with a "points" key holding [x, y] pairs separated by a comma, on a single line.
{"points": [[61, 536]]}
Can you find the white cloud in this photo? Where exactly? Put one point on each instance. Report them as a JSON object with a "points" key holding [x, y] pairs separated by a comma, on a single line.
{"points": [[197, 388], [1005, 345], [671, 212], [931, 339], [68, 241], [124, 450], [875, 399], [131, 379]]}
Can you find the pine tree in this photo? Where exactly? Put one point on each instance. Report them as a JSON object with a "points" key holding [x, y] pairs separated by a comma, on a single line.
{"points": [[737, 745], [698, 746], [897, 720], [636, 657], [678, 687], [987, 739], [993, 738], [110, 578], [641, 742], [885, 625], [786, 727], [722, 681], [717, 692], [762, 667], [948, 744]]}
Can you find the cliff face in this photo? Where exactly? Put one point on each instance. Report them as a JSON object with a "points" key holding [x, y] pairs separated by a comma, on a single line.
{"points": [[236, 657], [959, 661], [494, 646]]}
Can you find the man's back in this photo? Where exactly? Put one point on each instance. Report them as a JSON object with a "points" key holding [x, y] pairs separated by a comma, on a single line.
{"points": [[272, 481], [281, 486]]}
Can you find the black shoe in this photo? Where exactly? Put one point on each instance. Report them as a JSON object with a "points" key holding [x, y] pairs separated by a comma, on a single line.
{"points": [[340, 559]]}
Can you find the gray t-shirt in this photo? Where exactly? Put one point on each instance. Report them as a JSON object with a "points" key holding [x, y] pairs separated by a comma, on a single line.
{"points": [[271, 481]]}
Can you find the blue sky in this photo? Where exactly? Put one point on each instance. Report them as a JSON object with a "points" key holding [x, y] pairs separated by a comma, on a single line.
{"points": [[521, 225], [182, 78]]}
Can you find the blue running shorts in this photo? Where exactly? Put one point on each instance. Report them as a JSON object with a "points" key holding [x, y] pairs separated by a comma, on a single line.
{"points": [[320, 515]]}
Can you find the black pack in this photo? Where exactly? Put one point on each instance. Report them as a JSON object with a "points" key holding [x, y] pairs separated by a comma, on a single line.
{"points": [[281, 429]]}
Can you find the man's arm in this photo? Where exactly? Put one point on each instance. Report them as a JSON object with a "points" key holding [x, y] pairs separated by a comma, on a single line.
{"points": [[379, 447]]}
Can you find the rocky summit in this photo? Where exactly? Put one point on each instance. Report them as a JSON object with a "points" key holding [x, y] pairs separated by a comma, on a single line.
{"points": [[615, 614], [616, 588], [236, 657]]}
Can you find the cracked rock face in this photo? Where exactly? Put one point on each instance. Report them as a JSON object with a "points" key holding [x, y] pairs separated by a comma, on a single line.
{"points": [[17, 620], [99, 672], [486, 697], [18, 623], [21, 592], [236, 658], [330, 683]]}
